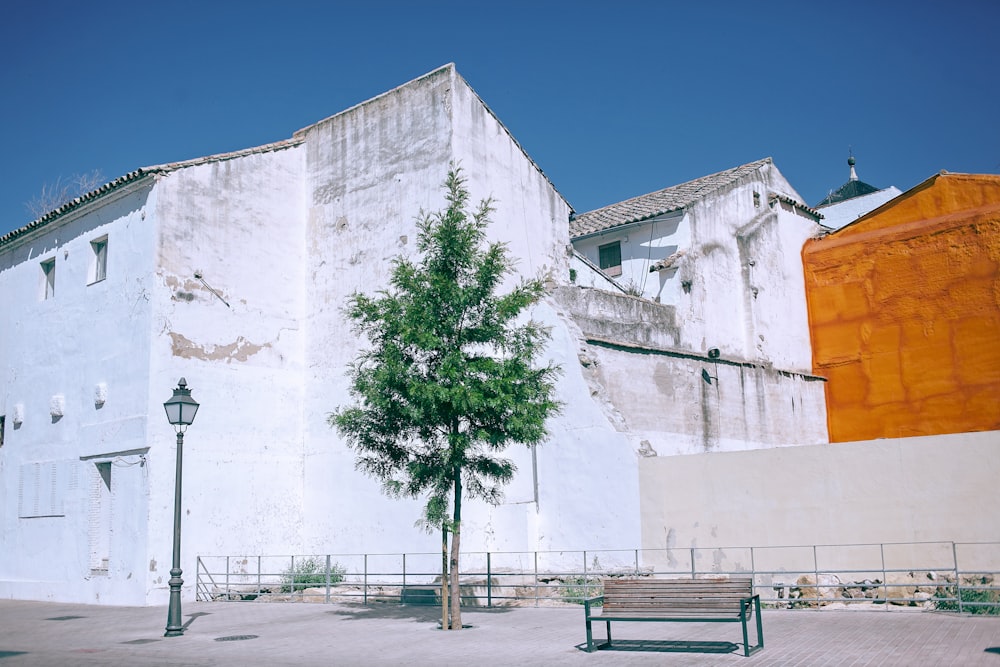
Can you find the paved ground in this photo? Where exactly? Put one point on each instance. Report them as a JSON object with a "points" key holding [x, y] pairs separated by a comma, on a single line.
{"points": [[36, 633]]}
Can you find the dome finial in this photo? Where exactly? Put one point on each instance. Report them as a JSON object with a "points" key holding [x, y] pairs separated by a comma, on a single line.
{"points": [[850, 163]]}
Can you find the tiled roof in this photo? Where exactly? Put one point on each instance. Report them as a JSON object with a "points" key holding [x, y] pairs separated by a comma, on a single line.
{"points": [[797, 204], [657, 203], [137, 175], [849, 190]]}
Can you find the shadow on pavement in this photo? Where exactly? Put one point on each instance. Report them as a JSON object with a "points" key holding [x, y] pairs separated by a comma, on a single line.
{"points": [[656, 646], [404, 612]]}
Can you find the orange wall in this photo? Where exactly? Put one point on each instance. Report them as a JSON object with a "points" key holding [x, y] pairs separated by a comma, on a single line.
{"points": [[904, 311]]}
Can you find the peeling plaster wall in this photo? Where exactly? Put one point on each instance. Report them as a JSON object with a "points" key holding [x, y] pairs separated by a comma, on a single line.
{"points": [[89, 345], [681, 402], [370, 170], [236, 336], [823, 494]]}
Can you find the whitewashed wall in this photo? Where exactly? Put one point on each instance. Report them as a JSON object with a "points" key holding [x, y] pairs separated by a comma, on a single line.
{"points": [[90, 340]]}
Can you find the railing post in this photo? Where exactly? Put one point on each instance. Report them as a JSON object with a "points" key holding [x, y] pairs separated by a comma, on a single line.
{"points": [[586, 581], [637, 562], [258, 576], [489, 581], [365, 594], [885, 580], [816, 574], [227, 579], [692, 563], [328, 578], [536, 578], [958, 576], [404, 578]]}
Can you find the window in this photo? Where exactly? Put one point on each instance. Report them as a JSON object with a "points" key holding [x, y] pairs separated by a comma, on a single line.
{"points": [[3, 421], [48, 278], [610, 258], [99, 262], [99, 529]]}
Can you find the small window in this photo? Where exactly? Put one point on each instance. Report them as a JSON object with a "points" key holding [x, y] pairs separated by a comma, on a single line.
{"points": [[99, 261], [610, 258], [3, 423], [48, 278]]}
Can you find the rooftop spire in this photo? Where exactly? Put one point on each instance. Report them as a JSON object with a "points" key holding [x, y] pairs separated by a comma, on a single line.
{"points": [[850, 163]]}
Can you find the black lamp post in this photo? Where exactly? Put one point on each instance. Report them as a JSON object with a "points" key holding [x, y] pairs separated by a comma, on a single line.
{"points": [[181, 409]]}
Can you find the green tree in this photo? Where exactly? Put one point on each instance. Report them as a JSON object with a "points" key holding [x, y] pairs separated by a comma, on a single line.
{"points": [[449, 379]]}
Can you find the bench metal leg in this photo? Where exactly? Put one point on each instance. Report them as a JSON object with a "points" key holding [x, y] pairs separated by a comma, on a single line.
{"points": [[608, 623], [744, 608], [590, 638]]}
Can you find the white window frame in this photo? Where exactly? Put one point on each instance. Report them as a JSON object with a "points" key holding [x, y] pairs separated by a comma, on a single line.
{"points": [[48, 278], [99, 260]]}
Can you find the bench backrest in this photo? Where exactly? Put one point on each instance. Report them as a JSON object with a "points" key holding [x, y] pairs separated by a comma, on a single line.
{"points": [[694, 597]]}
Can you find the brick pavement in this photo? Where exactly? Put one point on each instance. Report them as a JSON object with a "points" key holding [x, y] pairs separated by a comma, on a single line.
{"points": [[49, 634]]}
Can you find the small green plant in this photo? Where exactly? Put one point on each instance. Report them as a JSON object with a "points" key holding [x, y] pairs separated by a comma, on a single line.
{"points": [[310, 573], [572, 275], [578, 589], [633, 288], [969, 598]]}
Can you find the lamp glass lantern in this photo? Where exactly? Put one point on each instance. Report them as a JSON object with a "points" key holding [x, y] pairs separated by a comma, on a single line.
{"points": [[181, 408]]}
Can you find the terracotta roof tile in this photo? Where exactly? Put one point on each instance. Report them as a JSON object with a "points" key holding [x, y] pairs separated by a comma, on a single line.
{"points": [[657, 203]]}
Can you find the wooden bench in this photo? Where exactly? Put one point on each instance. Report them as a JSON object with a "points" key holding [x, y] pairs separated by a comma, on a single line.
{"points": [[677, 600]]}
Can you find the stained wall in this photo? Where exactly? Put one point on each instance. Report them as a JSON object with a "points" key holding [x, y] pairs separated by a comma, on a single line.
{"points": [[904, 312]]}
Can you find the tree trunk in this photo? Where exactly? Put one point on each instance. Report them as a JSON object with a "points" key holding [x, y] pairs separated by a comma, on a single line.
{"points": [[444, 576], [456, 532]]}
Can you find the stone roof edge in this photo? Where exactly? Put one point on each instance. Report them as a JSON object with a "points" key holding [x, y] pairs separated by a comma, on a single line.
{"points": [[583, 258], [137, 175], [72, 205], [302, 131], [222, 157], [512, 137], [762, 162], [645, 348], [794, 203]]}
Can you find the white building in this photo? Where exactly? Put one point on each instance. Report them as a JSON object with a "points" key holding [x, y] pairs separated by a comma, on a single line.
{"points": [[231, 271], [852, 200]]}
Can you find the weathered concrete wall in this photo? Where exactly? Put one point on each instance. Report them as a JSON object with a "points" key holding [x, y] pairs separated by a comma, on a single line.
{"points": [[905, 313], [239, 223], [678, 402], [905, 490], [81, 353], [370, 171], [736, 283]]}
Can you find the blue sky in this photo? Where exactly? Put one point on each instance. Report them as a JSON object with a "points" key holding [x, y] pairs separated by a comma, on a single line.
{"points": [[611, 99]]}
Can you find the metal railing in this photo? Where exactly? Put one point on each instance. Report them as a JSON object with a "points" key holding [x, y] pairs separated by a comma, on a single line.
{"points": [[964, 577]]}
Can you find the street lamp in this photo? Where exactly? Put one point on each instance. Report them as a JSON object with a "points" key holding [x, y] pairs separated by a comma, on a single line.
{"points": [[181, 409]]}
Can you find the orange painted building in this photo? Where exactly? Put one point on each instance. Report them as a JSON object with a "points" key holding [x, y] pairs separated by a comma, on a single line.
{"points": [[904, 313]]}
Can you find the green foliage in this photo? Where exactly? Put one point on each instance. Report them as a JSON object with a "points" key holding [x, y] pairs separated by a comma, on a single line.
{"points": [[448, 381], [967, 596], [310, 573], [578, 589]]}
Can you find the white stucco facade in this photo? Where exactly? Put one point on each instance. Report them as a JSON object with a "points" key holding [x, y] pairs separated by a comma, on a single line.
{"points": [[231, 271]]}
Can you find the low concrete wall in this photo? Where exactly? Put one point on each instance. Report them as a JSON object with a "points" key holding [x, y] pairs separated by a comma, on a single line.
{"points": [[900, 490]]}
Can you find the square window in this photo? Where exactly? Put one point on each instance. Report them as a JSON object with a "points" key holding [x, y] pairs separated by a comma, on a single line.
{"points": [[610, 258], [99, 261], [48, 278]]}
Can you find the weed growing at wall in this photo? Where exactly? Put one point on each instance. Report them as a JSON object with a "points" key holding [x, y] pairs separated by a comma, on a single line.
{"points": [[310, 573]]}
